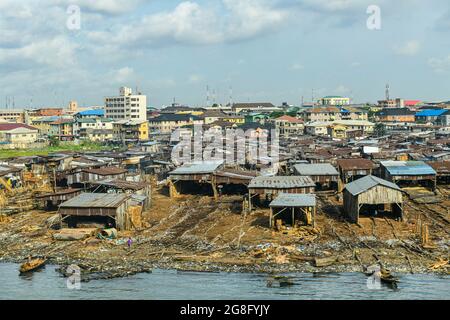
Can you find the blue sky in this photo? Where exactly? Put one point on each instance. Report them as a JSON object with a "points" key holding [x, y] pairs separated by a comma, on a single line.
{"points": [[266, 50]]}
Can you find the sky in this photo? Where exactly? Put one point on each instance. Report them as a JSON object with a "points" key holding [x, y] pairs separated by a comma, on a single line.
{"points": [[54, 51]]}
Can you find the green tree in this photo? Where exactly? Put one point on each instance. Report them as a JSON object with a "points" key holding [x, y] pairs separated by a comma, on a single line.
{"points": [[380, 130], [53, 141]]}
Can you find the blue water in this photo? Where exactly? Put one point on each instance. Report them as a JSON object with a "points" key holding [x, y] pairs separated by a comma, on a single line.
{"points": [[163, 284]]}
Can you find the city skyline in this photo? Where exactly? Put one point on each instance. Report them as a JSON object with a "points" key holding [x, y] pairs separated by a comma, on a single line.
{"points": [[267, 50]]}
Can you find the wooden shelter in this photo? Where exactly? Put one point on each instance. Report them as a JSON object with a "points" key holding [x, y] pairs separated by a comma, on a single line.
{"points": [[194, 176], [53, 200], [442, 169], [96, 208], [292, 206], [268, 187], [323, 174], [371, 195], [408, 173], [353, 169]]}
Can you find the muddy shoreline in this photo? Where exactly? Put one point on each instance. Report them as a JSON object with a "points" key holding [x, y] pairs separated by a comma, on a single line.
{"points": [[98, 269], [196, 233]]}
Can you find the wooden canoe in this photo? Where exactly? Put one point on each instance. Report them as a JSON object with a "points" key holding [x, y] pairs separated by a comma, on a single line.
{"points": [[32, 265]]}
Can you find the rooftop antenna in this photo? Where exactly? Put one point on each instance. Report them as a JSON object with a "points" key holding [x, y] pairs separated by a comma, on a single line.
{"points": [[231, 95], [207, 95], [313, 96], [303, 100], [387, 92]]}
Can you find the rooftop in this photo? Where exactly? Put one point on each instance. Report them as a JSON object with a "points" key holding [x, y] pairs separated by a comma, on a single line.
{"points": [[431, 113], [202, 167], [408, 168], [316, 169], [355, 164], [367, 183], [294, 200], [96, 200], [94, 112], [12, 126], [281, 182]]}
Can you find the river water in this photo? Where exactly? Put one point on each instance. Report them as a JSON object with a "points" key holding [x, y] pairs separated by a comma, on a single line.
{"points": [[169, 284]]}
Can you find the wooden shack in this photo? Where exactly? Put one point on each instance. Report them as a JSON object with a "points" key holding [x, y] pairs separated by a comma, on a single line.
{"points": [[442, 169], [106, 209], [141, 189], [53, 200], [193, 177], [323, 174], [372, 195], [266, 188], [293, 208], [354, 169], [80, 177], [408, 173]]}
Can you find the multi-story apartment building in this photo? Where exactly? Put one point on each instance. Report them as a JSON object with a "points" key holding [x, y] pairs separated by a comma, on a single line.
{"points": [[166, 123], [289, 126], [321, 114], [395, 115], [126, 106], [82, 126], [135, 130], [62, 129]]}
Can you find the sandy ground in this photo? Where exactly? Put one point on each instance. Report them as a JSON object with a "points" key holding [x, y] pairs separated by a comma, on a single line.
{"points": [[198, 233]]}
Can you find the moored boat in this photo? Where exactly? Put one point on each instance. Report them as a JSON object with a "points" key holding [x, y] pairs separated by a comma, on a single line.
{"points": [[32, 265]]}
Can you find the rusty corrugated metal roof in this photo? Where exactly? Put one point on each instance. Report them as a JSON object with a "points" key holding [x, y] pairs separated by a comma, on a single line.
{"points": [[281, 182], [96, 200]]}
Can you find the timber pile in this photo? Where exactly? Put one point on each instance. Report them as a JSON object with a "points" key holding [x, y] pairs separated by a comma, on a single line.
{"points": [[74, 234]]}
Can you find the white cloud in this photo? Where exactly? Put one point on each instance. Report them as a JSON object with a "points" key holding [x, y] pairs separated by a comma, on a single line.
{"points": [[124, 75], [410, 48], [113, 7], [57, 52], [440, 65], [190, 23]]}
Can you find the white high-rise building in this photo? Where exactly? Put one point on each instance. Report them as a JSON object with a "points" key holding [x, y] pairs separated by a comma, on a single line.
{"points": [[126, 106]]}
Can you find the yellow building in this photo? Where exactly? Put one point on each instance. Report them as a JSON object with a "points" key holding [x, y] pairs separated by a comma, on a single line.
{"points": [[131, 130]]}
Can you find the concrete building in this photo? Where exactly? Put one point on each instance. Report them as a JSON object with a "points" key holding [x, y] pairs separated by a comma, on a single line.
{"points": [[62, 129], [81, 126], [395, 115], [134, 130], [12, 115], [334, 101], [289, 126], [126, 106], [444, 118], [18, 133], [166, 123], [340, 129]]}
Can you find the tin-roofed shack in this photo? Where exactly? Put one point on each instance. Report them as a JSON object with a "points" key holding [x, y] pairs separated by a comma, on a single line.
{"points": [[372, 195], [323, 174], [195, 177], [353, 169], [408, 173], [293, 208], [53, 200], [141, 189], [442, 169], [85, 175], [266, 188], [96, 208]]}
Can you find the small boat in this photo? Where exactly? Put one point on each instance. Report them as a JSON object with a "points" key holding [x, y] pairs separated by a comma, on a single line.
{"points": [[32, 265]]}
